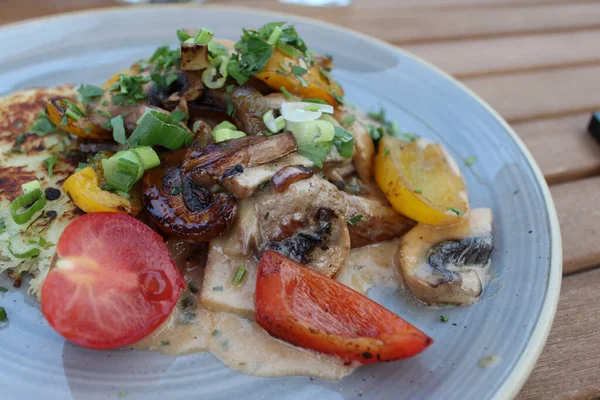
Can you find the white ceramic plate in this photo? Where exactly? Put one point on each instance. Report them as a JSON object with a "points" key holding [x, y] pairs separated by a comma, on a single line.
{"points": [[512, 321]]}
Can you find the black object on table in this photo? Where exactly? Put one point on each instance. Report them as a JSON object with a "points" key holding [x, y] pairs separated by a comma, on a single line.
{"points": [[594, 126]]}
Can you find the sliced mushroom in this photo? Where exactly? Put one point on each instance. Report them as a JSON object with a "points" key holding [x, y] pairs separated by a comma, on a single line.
{"points": [[375, 221], [363, 143], [180, 207], [288, 175], [448, 264], [248, 104], [308, 220], [219, 162]]}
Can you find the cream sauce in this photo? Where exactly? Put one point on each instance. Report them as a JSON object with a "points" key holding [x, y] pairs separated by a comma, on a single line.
{"points": [[244, 346]]}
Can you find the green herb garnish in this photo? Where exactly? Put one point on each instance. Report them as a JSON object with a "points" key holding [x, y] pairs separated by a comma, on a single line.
{"points": [[3, 289], [3, 315], [348, 120], [266, 217], [239, 275], [470, 160], [285, 92], [176, 191], [178, 115], [456, 211], [89, 92], [218, 288], [42, 126], [443, 318], [50, 161], [129, 88], [418, 191], [354, 220], [344, 142], [165, 342], [386, 151]]}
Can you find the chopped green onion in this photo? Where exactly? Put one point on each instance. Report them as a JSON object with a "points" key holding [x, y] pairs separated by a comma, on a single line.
{"points": [[148, 156], [386, 151], [470, 161], [31, 249], [71, 114], [289, 50], [215, 75], [284, 67], [275, 35], [222, 135], [443, 318], [354, 220], [64, 121], [155, 128], [311, 100], [302, 112], [339, 98], [50, 161], [125, 168], [225, 125], [239, 275], [182, 35], [273, 124], [456, 211], [203, 36], [286, 93], [33, 200], [302, 82], [348, 120], [326, 131], [118, 127]]}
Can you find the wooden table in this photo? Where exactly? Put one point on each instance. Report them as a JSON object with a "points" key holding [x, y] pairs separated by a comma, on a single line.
{"points": [[538, 63]]}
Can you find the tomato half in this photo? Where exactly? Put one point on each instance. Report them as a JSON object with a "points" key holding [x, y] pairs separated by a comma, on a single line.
{"points": [[308, 309], [113, 282]]}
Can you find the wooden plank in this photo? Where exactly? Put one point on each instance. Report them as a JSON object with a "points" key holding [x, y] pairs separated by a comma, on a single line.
{"points": [[399, 23], [470, 58], [562, 147], [541, 94], [568, 367], [578, 206]]}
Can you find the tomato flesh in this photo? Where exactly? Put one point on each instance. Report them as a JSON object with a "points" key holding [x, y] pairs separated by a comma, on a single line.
{"points": [[113, 282], [310, 310]]}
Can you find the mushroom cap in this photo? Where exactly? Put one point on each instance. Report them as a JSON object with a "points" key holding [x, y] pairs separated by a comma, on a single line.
{"points": [[447, 264]]}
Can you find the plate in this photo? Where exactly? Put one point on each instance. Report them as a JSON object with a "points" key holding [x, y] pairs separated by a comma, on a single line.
{"points": [[512, 321]]}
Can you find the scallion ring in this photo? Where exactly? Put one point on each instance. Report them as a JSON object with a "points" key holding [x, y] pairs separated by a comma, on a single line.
{"points": [[32, 201], [215, 75]]}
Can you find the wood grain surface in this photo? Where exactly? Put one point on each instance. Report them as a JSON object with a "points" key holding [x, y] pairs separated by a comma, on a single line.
{"points": [[538, 63]]}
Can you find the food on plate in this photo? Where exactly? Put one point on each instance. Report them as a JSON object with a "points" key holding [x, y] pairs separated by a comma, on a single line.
{"points": [[225, 197], [448, 264]]}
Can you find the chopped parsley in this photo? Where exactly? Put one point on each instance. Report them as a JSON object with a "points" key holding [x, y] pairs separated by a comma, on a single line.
{"points": [[443, 318], [354, 220], [178, 115], [266, 217], [230, 107], [299, 71], [193, 288], [3, 289], [3, 315], [387, 127], [89, 92], [218, 288], [316, 152], [129, 88], [239, 275], [176, 191], [42, 125], [165, 342], [216, 332], [418, 191], [516, 191], [386, 151], [337, 97], [344, 142], [348, 120], [118, 127], [2, 229], [21, 138], [264, 185], [456, 211], [50, 161], [470, 160]]}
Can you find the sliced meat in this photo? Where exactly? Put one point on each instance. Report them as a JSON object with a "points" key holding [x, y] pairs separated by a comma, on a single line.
{"points": [[375, 221]]}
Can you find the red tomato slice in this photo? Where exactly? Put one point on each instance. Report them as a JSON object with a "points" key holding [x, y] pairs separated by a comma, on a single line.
{"points": [[113, 282], [308, 309]]}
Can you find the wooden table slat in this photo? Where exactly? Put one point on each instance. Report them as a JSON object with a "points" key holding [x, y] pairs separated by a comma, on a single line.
{"points": [[569, 365], [562, 147], [468, 58], [578, 207], [541, 94]]}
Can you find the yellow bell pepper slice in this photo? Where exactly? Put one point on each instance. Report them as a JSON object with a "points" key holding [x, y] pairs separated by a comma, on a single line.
{"points": [[421, 180], [56, 110], [278, 73], [84, 189]]}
